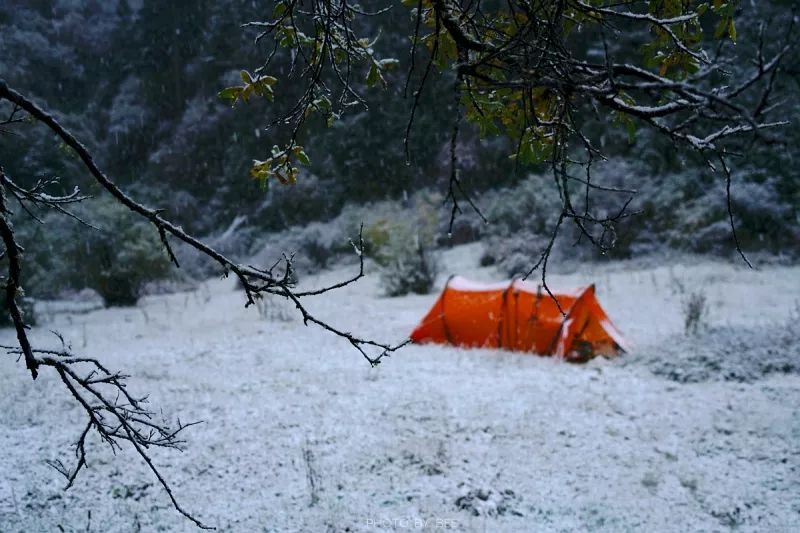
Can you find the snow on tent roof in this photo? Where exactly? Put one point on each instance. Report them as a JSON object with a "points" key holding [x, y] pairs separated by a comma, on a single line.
{"points": [[460, 283]]}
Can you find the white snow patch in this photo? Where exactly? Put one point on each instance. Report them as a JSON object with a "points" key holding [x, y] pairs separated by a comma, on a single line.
{"points": [[495, 441], [462, 284]]}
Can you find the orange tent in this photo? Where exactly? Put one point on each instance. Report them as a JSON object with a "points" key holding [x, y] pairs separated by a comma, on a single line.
{"points": [[520, 316]]}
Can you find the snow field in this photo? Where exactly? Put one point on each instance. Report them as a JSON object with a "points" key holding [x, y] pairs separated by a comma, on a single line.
{"points": [[301, 435]]}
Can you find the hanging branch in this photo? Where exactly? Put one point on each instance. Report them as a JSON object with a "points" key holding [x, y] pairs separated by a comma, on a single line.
{"points": [[254, 280], [13, 286], [519, 75], [520, 50], [114, 414]]}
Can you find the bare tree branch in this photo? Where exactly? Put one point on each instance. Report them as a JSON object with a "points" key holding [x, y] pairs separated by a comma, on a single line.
{"points": [[114, 414]]}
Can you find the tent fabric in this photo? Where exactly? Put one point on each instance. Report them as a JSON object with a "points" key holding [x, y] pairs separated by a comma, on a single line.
{"points": [[521, 316]]}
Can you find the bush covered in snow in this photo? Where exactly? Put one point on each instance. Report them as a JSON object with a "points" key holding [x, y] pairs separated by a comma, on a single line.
{"points": [[684, 211], [521, 220], [727, 353], [404, 249], [126, 254], [310, 247], [409, 265], [385, 225], [695, 309], [116, 257]]}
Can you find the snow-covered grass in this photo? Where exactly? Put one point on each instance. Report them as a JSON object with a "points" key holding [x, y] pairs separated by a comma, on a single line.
{"points": [[301, 435]]}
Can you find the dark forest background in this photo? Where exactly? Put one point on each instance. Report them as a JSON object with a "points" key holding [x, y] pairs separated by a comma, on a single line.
{"points": [[137, 82]]}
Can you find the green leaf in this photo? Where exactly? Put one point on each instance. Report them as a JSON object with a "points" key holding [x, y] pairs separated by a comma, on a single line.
{"points": [[631, 127], [247, 91], [268, 93], [374, 75], [280, 9], [330, 119], [231, 93], [303, 158], [721, 28]]}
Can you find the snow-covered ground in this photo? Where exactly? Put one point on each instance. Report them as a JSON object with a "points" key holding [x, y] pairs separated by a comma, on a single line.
{"points": [[696, 434]]}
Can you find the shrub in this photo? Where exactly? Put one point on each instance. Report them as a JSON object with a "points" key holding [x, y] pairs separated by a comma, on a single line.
{"points": [[408, 266], [408, 263], [116, 258], [695, 311], [514, 255], [273, 308], [235, 241], [529, 207], [487, 259], [376, 238], [319, 243], [121, 258], [520, 224], [312, 247]]}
